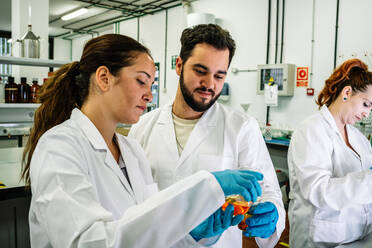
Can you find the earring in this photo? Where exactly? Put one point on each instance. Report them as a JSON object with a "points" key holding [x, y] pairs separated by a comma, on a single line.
{"points": [[345, 98]]}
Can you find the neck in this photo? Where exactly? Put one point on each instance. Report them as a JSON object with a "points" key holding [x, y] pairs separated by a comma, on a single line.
{"points": [[335, 109], [101, 119], [182, 110]]}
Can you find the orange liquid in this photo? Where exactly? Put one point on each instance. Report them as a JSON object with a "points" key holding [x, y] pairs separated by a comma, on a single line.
{"points": [[239, 207]]}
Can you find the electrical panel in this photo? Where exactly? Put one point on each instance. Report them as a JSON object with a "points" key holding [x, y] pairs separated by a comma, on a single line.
{"points": [[281, 74]]}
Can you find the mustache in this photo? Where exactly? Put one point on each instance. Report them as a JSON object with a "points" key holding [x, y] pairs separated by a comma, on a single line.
{"points": [[204, 89]]}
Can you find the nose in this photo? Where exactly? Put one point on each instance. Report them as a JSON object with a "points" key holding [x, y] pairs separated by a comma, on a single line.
{"points": [[366, 114], [208, 81], [148, 95]]}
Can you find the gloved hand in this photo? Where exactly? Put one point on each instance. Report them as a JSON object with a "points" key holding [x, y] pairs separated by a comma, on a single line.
{"points": [[216, 224], [263, 221], [242, 182], [370, 167]]}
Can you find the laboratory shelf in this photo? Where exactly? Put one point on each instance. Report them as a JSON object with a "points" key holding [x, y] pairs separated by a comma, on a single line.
{"points": [[32, 62], [20, 105], [279, 142]]}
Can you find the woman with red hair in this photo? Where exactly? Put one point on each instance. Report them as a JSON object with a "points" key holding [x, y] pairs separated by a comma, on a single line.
{"points": [[329, 161]]}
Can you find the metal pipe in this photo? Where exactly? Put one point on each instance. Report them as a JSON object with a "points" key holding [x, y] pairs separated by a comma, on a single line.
{"points": [[336, 34], [282, 34], [312, 46], [268, 32], [268, 53], [276, 31], [138, 28], [165, 53], [125, 19]]}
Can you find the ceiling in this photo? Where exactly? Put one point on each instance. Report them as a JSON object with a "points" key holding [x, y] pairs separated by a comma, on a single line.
{"points": [[100, 14]]}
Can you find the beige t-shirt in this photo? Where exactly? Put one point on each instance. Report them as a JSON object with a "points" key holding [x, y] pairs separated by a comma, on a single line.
{"points": [[182, 129]]}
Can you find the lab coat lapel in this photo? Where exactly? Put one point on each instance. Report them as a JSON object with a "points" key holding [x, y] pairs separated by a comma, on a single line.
{"points": [[112, 164], [133, 170], [165, 128], [202, 129], [96, 140], [331, 121]]}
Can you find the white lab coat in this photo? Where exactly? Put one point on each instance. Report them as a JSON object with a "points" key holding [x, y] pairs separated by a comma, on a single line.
{"points": [[81, 198], [331, 186], [222, 139]]}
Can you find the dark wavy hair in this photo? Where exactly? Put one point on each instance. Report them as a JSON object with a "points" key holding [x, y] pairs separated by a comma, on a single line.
{"points": [[211, 34], [69, 86]]}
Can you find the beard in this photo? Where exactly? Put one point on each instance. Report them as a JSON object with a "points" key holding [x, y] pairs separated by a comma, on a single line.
{"points": [[189, 99]]}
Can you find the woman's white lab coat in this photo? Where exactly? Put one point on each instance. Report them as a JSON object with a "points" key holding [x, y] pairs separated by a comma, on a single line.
{"points": [[331, 185], [81, 198], [222, 139]]}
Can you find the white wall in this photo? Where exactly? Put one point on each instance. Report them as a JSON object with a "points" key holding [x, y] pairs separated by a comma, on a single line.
{"points": [[247, 22]]}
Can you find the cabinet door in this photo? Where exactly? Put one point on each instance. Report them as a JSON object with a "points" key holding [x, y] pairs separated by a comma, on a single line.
{"points": [[14, 228], [7, 225]]}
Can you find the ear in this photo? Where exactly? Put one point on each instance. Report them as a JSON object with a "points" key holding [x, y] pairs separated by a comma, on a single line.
{"points": [[346, 92], [179, 64], [102, 78]]}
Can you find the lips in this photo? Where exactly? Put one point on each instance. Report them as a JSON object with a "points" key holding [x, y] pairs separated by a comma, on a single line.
{"points": [[204, 93], [142, 107]]}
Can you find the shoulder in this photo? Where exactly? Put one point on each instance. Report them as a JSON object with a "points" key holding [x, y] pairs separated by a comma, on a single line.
{"points": [[65, 133], [235, 117], [313, 130]]}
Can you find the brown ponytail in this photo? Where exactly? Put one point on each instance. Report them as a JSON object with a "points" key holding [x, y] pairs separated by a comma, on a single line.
{"points": [[69, 86], [352, 72]]}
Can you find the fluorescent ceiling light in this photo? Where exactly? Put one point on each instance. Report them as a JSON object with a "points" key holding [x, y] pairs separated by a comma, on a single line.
{"points": [[74, 14]]}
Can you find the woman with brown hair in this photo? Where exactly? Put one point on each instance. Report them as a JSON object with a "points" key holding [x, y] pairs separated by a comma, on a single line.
{"points": [[329, 161], [92, 187]]}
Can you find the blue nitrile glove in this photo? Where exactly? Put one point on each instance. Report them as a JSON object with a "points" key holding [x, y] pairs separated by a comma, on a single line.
{"points": [[370, 168], [216, 224], [263, 221], [241, 182]]}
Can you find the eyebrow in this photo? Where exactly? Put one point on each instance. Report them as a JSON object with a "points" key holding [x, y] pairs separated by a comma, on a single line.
{"points": [[206, 68], [370, 102], [148, 75]]}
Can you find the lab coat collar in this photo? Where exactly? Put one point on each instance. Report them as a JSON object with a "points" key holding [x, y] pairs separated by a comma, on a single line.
{"points": [[209, 118], [202, 129], [331, 121], [131, 163], [324, 111], [96, 140], [89, 129]]}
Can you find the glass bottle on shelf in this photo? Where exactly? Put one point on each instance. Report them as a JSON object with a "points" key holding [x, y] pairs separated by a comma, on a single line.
{"points": [[34, 90], [2, 91], [11, 91], [24, 91]]}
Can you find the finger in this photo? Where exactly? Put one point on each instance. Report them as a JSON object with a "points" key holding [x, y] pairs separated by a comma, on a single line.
{"points": [[258, 188], [237, 219], [263, 231], [209, 226], [227, 216], [250, 187], [244, 192], [259, 176], [262, 208], [217, 221], [261, 219]]}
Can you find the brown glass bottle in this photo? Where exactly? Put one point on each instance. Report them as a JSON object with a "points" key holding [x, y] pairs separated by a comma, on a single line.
{"points": [[34, 90], [11, 91], [23, 91]]}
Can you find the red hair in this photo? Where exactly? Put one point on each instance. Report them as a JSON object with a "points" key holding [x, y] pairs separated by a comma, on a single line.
{"points": [[352, 72]]}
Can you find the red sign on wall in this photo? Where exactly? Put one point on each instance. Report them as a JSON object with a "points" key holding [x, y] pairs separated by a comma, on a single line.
{"points": [[302, 77], [302, 73]]}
